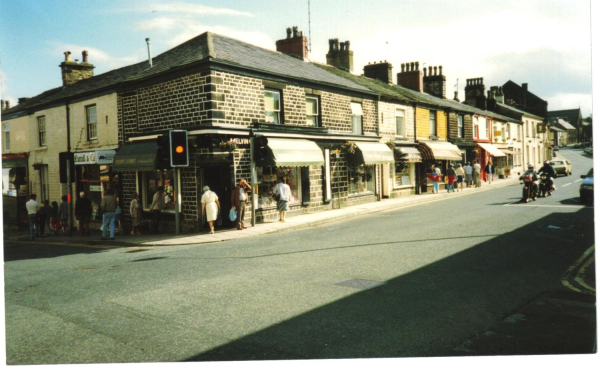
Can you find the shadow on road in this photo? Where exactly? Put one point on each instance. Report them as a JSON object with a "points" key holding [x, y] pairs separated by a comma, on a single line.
{"points": [[15, 250], [435, 309]]}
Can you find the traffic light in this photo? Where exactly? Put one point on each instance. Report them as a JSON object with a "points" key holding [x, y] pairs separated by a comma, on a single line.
{"points": [[163, 158], [178, 146]]}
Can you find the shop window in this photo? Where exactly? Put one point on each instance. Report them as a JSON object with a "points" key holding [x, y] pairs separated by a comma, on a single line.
{"points": [[6, 137], [400, 125], [432, 123], [357, 120], [401, 174], [150, 181], [41, 131], [312, 111], [94, 180], [267, 179], [272, 106], [361, 179], [92, 122], [461, 126]]}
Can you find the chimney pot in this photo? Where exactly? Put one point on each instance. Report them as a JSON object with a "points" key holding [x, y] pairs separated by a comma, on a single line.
{"points": [[435, 71], [7, 104], [441, 74], [84, 54], [425, 72], [67, 56], [288, 31]]}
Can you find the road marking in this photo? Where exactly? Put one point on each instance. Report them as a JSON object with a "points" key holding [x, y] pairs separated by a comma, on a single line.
{"points": [[579, 261], [579, 180], [552, 206], [568, 184]]}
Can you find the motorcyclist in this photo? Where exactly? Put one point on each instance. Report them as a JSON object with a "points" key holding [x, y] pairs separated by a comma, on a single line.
{"points": [[534, 178], [550, 173]]}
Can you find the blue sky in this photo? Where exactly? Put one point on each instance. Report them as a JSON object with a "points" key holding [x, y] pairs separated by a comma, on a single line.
{"points": [[545, 43]]}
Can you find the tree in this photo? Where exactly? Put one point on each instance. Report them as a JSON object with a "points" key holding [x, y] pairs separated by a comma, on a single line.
{"points": [[588, 132]]}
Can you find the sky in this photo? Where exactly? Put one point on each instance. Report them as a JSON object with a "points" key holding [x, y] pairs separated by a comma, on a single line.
{"points": [[545, 43]]}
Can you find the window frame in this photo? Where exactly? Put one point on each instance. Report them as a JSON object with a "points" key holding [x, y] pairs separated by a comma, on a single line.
{"points": [[402, 131], [279, 110], [460, 123], [356, 120], [6, 137], [433, 113], [144, 188], [317, 114], [89, 123], [42, 134]]}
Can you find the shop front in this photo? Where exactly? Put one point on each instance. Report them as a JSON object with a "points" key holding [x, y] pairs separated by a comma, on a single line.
{"points": [[505, 164], [489, 152], [14, 188], [94, 176], [364, 163], [402, 172], [438, 154], [291, 160]]}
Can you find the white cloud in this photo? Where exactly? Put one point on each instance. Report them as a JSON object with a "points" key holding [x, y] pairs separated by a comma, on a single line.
{"points": [[183, 8], [3, 88], [102, 60], [562, 101]]}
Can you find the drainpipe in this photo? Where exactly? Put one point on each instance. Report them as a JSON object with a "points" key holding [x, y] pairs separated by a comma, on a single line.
{"points": [[254, 178], [69, 174]]}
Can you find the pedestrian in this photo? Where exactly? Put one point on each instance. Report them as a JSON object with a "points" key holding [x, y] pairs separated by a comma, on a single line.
{"points": [[469, 174], [435, 176], [158, 203], [283, 193], [32, 207], [451, 177], [460, 176], [43, 219], [210, 207], [477, 173], [489, 170], [118, 218], [83, 213], [239, 198], [63, 214], [135, 210], [54, 218], [108, 205]]}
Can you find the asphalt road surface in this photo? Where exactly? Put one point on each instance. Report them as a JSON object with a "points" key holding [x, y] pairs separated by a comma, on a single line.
{"points": [[472, 275]]}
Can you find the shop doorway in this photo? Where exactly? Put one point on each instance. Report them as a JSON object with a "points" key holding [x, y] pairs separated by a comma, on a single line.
{"points": [[218, 179]]}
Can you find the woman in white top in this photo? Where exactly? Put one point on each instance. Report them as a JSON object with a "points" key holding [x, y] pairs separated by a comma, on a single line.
{"points": [[210, 205], [285, 194]]}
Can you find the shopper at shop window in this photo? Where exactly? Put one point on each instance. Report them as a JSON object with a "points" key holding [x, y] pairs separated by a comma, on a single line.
{"points": [[210, 207], [83, 213], [489, 170], [469, 174], [135, 210], [158, 203], [285, 194], [460, 176], [63, 213], [32, 209], [239, 199], [108, 206]]}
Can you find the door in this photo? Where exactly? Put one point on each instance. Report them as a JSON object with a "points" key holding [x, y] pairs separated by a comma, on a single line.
{"points": [[218, 179]]}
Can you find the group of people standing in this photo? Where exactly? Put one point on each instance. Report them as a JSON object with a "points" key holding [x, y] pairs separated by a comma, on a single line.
{"points": [[464, 177], [46, 219]]}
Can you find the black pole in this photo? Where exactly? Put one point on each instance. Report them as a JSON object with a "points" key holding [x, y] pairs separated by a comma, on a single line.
{"points": [[69, 174]]}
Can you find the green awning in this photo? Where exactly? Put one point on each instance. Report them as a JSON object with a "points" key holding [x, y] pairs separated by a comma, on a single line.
{"points": [[137, 156], [285, 152], [370, 153], [14, 161]]}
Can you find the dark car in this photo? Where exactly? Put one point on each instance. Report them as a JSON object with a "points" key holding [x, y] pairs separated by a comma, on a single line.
{"points": [[586, 191]]}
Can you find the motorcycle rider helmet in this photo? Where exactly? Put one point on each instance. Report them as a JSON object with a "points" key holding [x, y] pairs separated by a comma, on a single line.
{"points": [[529, 166], [546, 162]]}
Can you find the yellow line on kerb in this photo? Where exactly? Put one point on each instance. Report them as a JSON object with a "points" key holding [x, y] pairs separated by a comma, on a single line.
{"points": [[578, 278]]}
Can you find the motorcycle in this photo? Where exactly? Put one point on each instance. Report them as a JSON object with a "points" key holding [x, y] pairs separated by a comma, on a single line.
{"points": [[529, 191], [546, 186]]}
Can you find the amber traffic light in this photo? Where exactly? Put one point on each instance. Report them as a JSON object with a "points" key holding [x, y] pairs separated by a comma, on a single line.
{"points": [[178, 142]]}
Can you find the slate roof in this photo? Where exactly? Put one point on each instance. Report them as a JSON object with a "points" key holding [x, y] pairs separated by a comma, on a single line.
{"points": [[408, 95], [570, 115], [512, 108], [564, 124], [207, 46]]}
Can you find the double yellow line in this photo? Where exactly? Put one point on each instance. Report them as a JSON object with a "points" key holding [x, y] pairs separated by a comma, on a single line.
{"points": [[578, 277]]}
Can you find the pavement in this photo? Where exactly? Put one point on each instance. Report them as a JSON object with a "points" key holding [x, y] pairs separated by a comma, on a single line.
{"points": [[291, 223]]}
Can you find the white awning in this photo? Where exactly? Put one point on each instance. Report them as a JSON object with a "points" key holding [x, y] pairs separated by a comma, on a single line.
{"points": [[491, 149]]}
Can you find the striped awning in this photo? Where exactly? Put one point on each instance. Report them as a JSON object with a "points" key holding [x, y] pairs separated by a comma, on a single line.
{"points": [[491, 149], [408, 154], [439, 150]]}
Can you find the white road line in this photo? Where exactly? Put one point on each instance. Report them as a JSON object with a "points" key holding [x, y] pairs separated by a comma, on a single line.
{"points": [[568, 184], [579, 180], [553, 206]]}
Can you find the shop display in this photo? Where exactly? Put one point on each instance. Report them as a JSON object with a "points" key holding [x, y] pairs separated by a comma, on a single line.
{"points": [[361, 179], [267, 179]]}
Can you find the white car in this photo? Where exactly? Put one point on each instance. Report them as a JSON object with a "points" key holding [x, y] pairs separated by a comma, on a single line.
{"points": [[562, 166]]}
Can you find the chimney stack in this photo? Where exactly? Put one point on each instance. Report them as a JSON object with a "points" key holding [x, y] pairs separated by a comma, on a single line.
{"points": [[475, 93], [381, 71], [340, 55], [456, 96], [435, 83], [72, 71], [410, 76], [5, 105], [296, 44]]}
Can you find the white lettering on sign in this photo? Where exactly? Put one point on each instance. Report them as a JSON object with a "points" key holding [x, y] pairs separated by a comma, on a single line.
{"points": [[241, 141]]}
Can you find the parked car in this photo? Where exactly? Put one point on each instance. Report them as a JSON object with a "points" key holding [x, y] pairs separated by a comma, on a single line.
{"points": [[556, 148], [586, 191], [577, 146], [562, 166], [588, 150]]}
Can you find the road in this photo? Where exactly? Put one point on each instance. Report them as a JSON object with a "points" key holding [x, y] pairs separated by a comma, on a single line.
{"points": [[462, 276]]}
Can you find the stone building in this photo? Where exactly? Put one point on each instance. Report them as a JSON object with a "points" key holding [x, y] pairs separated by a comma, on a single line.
{"points": [[574, 118]]}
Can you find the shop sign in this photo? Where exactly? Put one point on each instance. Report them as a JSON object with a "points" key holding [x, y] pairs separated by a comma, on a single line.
{"points": [[497, 133], [94, 157], [95, 188]]}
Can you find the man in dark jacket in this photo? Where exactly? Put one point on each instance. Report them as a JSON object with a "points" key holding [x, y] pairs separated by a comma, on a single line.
{"points": [[239, 199], [83, 212]]}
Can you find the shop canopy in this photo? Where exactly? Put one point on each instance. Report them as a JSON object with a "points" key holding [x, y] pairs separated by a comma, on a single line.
{"points": [[491, 149], [14, 160], [285, 152], [137, 156], [409, 154], [371, 153], [439, 150]]}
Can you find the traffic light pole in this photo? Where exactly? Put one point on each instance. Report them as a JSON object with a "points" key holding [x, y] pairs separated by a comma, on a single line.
{"points": [[254, 180], [177, 201]]}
